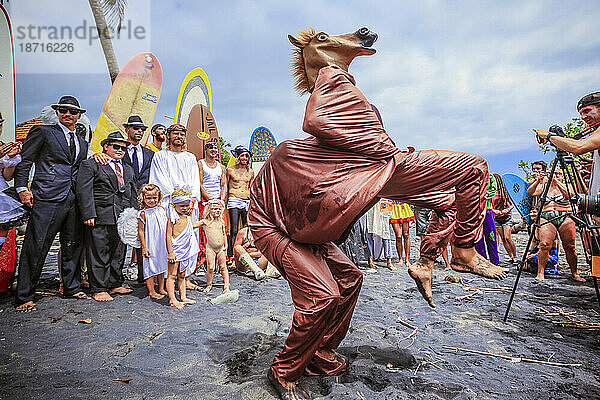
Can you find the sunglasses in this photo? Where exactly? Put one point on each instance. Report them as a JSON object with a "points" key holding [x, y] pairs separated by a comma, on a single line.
{"points": [[118, 147], [212, 146], [138, 128], [64, 110]]}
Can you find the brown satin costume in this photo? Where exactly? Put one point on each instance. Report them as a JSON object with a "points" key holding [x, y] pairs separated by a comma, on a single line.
{"points": [[309, 191]]}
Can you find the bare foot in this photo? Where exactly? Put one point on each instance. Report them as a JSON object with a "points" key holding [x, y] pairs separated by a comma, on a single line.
{"points": [[407, 263], [421, 271], [177, 304], [120, 290], [392, 267], [85, 284], [539, 277], [286, 389], [226, 289], [468, 260], [26, 307], [207, 289], [102, 296], [81, 296], [372, 264], [577, 277], [185, 300], [163, 291], [156, 296], [191, 286]]}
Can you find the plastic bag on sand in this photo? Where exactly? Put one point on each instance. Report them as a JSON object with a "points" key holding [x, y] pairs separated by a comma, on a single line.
{"points": [[230, 297]]}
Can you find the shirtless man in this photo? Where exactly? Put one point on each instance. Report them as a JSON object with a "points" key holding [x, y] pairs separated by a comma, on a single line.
{"points": [[239, 178], [249, 259]]}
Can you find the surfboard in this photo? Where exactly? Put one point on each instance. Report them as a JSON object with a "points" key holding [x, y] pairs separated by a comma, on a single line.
{"points": [[517, 190], [7, 80], [136, 91], [262, 143], [201, 128], [195, 89]]}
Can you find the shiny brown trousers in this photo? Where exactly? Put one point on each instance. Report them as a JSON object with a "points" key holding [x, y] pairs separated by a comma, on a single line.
{"points": [[453, 184], [325, 284]]}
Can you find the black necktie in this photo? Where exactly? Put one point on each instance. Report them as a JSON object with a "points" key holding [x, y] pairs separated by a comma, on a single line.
{"points": [[134, 162], [72, 148]]}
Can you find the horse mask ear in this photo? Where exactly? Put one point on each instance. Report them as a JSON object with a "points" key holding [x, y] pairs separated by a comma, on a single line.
{"points": [[295, 41]]}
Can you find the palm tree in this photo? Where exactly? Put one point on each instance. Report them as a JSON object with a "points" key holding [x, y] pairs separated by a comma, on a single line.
{"points": [[112, 11]]}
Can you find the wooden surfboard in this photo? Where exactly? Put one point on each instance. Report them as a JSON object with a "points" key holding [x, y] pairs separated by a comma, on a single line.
{"points": [[262, 143], [7, 79], [201, 128], [136, 91], [195, 89]]}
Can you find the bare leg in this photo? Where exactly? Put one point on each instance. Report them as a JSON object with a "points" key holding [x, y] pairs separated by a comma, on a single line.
{"points": [[161, 284], [224, 272], [567, 236], [422, 271], [210, 268], [182, 283], [399, 242], [508, 243], [546, 235], [173, 269], [151, 291], [445, 257], [406, 238]]}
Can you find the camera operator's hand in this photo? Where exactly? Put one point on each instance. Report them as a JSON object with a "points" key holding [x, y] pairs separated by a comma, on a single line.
{"points": [[542, 135]]}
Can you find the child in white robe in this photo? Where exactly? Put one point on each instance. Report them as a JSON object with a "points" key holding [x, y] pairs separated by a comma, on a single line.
{"points": [[152, 229], [182, 246]]}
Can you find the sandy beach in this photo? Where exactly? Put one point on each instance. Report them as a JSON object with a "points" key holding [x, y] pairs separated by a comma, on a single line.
{"points": [[138, 348]]}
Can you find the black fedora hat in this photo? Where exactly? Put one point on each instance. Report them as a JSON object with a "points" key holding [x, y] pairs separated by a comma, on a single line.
{"points": [[134, 120], [114, 137], [68, 101]]}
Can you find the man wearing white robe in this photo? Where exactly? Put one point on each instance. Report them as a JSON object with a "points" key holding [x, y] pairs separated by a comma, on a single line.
{"points": [[175, 168]]}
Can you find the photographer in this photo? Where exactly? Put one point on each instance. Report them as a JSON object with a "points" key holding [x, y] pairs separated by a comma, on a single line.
{"points": [[589, 109]]}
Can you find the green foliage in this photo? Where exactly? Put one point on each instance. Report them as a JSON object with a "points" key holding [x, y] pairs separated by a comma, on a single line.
{"points": [[526, 168], [225, 155], [574, 127]]}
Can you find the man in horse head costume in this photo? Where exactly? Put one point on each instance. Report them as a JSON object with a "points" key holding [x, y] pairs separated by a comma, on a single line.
{"points": [[309, 193]]}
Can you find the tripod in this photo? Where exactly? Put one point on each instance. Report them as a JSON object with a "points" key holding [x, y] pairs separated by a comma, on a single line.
{"points": [[589, 232]]}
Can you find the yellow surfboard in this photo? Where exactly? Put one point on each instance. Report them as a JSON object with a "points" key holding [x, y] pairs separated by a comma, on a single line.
{"points": [[136, 91], [195, 89]]}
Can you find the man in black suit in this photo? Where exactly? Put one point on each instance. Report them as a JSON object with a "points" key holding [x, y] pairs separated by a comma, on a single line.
{"points": [[139, 158], [56, 150], [103, 192]]}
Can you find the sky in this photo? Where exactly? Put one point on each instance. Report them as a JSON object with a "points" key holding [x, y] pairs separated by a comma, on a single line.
{"points": [[473, 76]]}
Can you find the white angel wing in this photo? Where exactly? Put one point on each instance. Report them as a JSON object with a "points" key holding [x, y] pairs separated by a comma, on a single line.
{"points": [[127, 226]]}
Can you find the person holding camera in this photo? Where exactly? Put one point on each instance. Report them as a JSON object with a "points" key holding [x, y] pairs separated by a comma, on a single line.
{"points": [[589, 109]]}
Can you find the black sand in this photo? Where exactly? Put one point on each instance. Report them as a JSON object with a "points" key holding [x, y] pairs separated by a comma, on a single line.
{"points": [[223, 351]]}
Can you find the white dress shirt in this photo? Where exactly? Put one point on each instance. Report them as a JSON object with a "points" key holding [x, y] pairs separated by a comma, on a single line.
{"points": [[139, 154], [67, 133]]}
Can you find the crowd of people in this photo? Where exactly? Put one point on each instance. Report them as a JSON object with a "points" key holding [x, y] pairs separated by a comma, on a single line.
{"points": [[178, 204], [181, 208]]}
